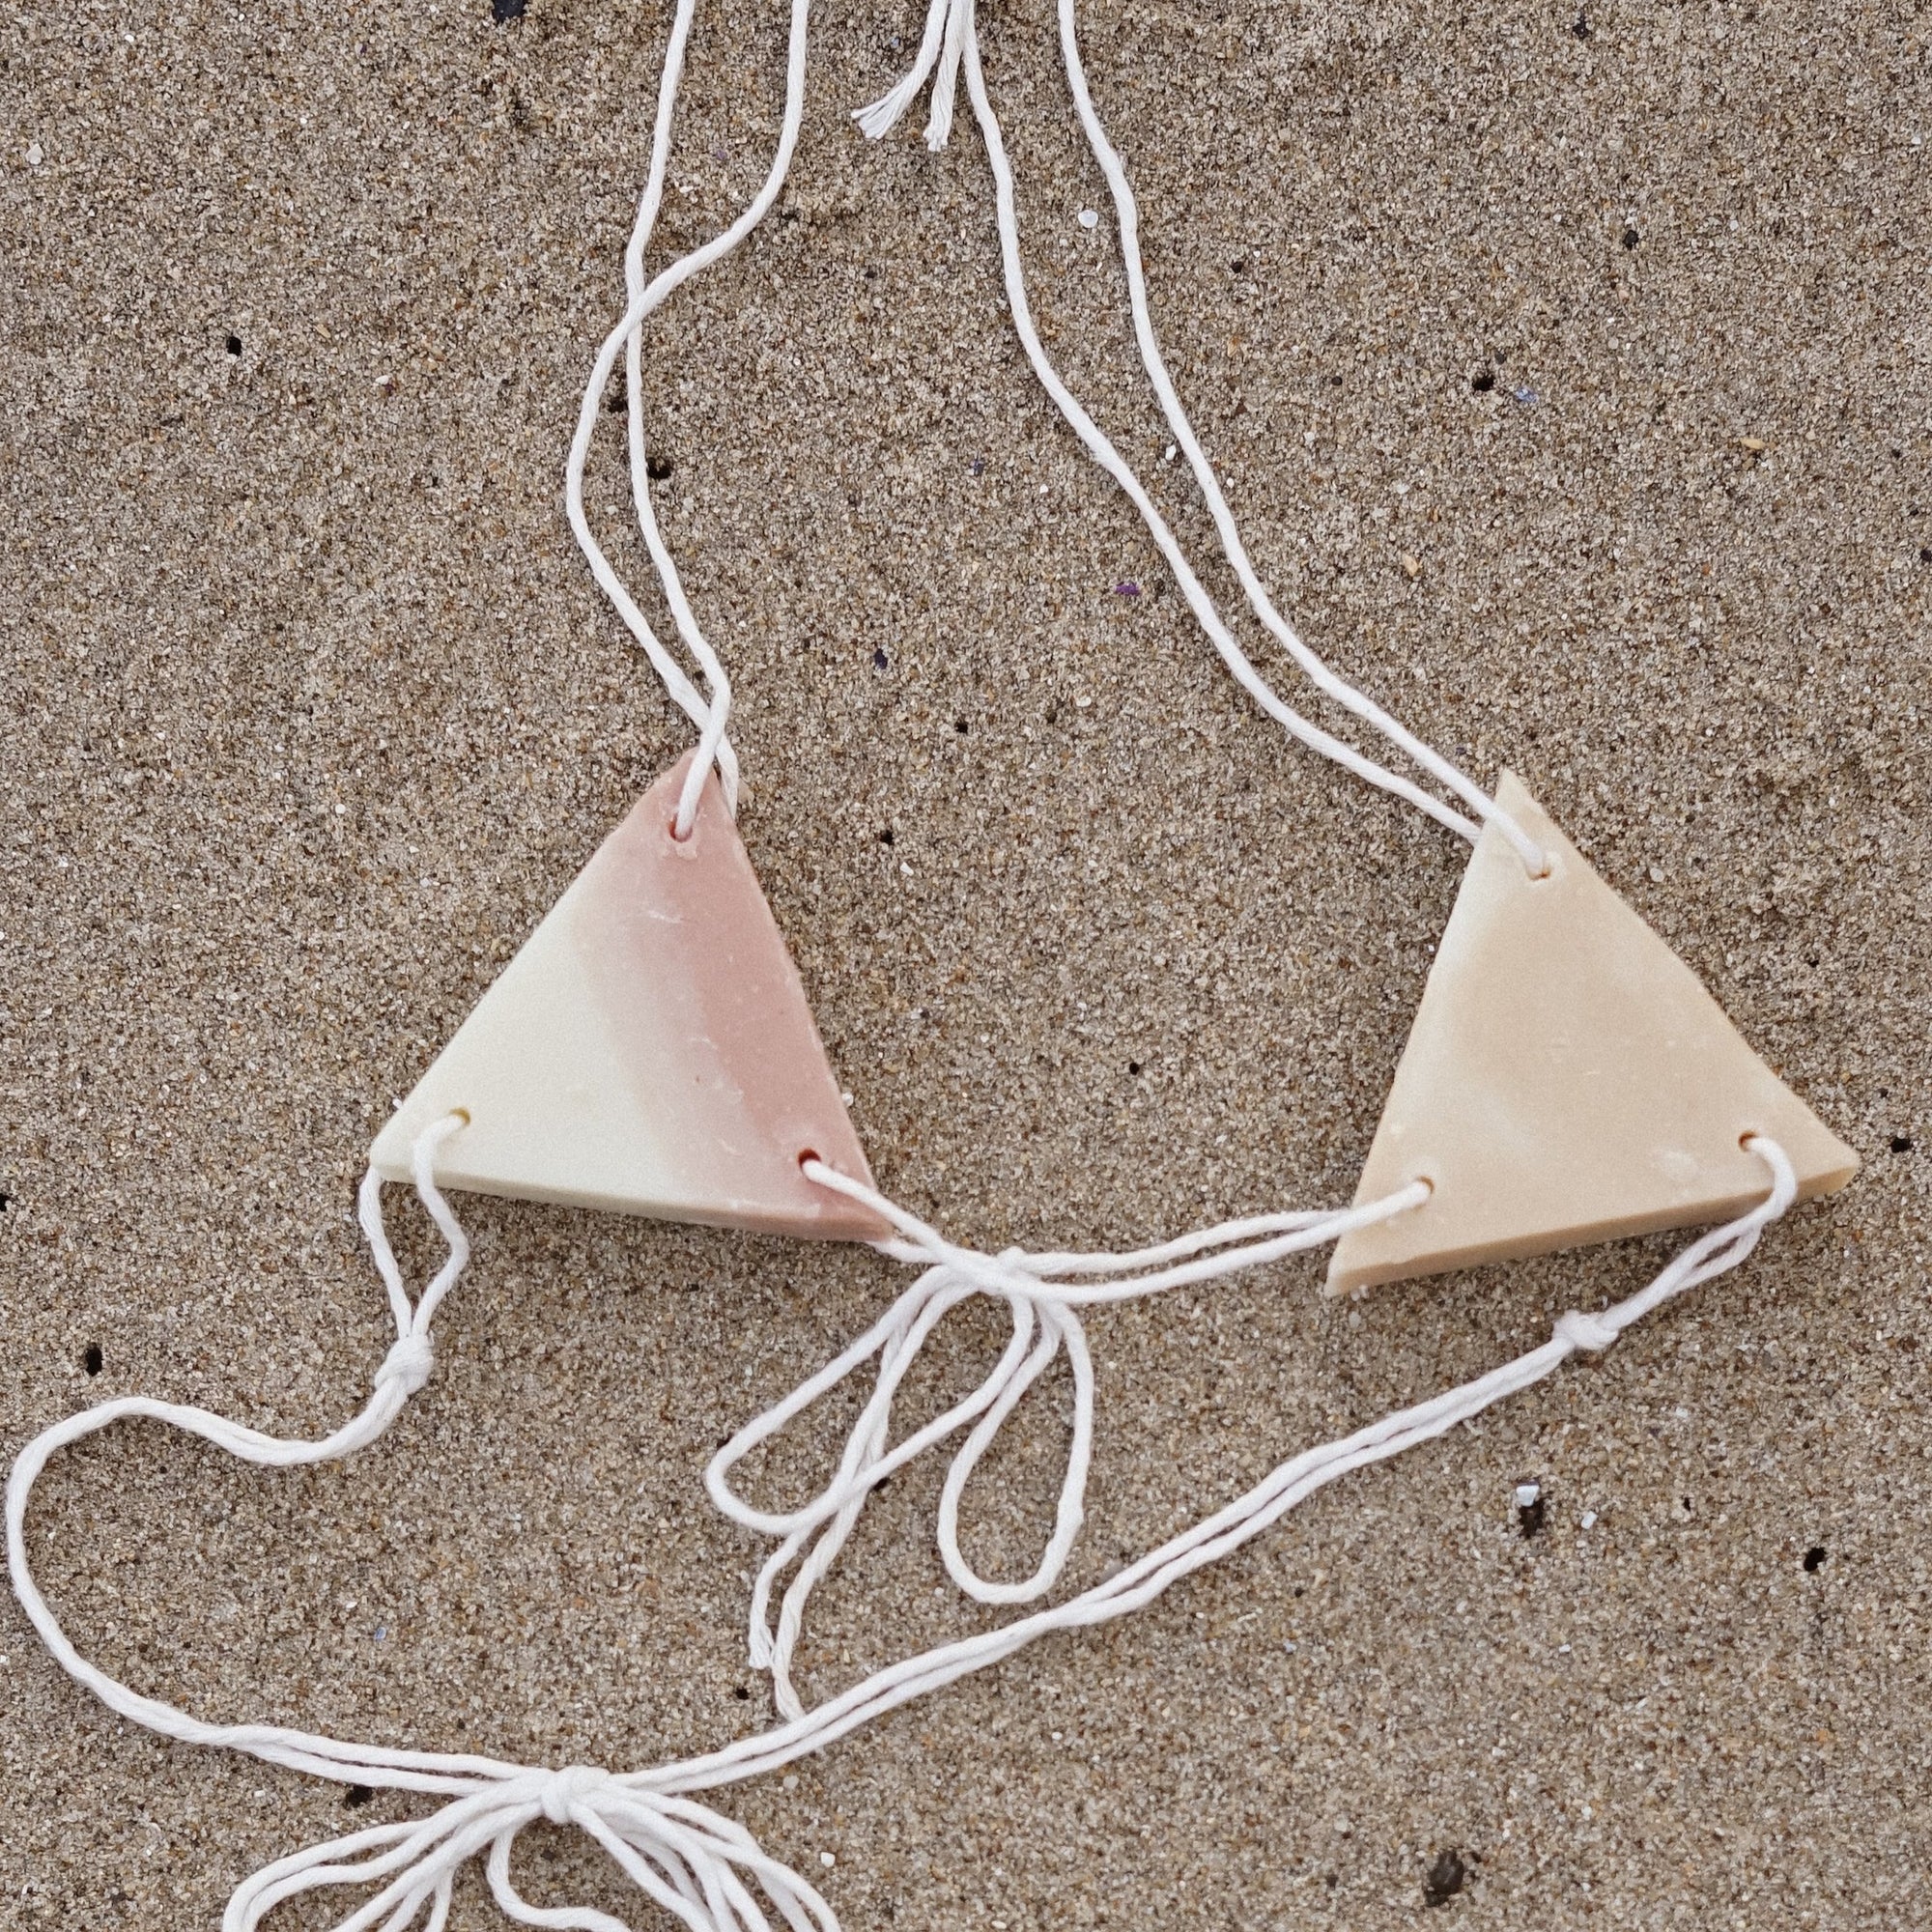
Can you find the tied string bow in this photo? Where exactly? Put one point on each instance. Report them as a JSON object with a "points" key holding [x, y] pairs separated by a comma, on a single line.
{"points": [[695, 1864], [1044, 1294], [682, 1855]]}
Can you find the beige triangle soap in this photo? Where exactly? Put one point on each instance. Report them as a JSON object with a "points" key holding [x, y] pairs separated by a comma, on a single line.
{"points": [[1567, 1080], [649, 1049]]}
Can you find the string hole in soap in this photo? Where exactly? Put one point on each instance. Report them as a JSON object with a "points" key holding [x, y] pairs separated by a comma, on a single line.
{"points": [[461, 1115], [807, 1155]]}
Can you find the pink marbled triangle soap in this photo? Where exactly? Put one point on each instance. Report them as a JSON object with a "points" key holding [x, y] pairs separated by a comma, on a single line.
{"points": [[648, 1050]]}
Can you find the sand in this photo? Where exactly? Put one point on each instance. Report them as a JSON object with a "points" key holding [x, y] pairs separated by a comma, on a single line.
{"points": [[1614, 325]]}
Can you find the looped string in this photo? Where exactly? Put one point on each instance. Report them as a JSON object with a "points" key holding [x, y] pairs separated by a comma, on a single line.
{"points": [[404, 1371], [698, 1865], [952, 36], [1044, 1294]]}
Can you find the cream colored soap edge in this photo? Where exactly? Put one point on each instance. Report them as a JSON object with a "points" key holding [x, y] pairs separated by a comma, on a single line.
{"points": [[1487, 1083], [649, 1050]]}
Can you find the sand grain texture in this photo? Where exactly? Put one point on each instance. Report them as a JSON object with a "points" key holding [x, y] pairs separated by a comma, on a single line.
{"points": [[1613, 327]]}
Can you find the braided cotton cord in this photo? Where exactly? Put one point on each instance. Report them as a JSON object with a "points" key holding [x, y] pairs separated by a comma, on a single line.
{"points": [[697, 1864], [952, 36], [710, 713]]}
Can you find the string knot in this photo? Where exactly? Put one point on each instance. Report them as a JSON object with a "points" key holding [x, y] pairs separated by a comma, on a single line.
{"points": [[1586, 1332], [1044, 1294], [1018, 1261], [682, 1854], [408, 1362], [560, 1792]]}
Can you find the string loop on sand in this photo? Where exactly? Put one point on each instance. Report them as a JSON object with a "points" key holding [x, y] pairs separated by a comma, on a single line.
{"points": [[1044, 1294], [698, 1865], [403, 1370]]}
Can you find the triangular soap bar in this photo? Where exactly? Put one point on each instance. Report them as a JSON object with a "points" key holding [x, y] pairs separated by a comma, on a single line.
{"points": [[649, 1049], [1567, 1080]]}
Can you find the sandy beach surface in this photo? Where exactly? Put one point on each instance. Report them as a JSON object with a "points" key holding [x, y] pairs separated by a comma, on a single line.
{"points": [[1571, 377]]}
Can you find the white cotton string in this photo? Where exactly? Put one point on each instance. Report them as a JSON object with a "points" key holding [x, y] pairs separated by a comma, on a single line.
{"points": [[957, 29], [698, 1866], [1044, 1294], [941, 46], [1219, 1535], [1040, 1296], [710, 711], [687, 1858], [404, 1369], [1127, 211]]}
